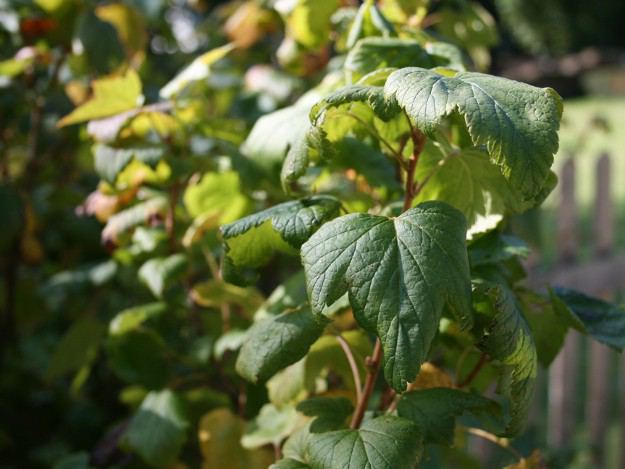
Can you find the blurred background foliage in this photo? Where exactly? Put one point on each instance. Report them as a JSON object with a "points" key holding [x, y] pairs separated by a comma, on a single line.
{"points": [[99, 240]]}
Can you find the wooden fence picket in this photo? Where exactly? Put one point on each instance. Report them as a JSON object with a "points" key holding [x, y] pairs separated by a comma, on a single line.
{"points": [[597, 400], [563, 372]]}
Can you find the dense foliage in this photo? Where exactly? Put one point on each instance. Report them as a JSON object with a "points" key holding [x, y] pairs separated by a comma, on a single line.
{"points": [[304, 259]]}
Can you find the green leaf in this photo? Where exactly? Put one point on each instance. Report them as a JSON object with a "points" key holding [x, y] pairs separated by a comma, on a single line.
{"points": [[517, 122], [399, 273], [373, 53], [100, 40], [496, 247], [373, 96], [230, 341], [382, 443], [157, 273], [434, 411], [77, 348], [271, 426], [158, 430], [288, 295], [220, 434], [289, 463], [273, 134], [467, 180], [330, 413], [548, 327], [276, 342], [131, 318], [199, 69], [308, 22], [131, 217], [369, 21], [111, 95], [251, 241], [603, 321], [313, 145], [110, 161], [288, 385], [218, 195], [352, 153], [508, 339], [139, 356], [215, 292], [73, 461]]}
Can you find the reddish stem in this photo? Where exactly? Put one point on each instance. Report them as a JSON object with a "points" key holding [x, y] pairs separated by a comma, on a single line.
{"points": [[373, 364]]}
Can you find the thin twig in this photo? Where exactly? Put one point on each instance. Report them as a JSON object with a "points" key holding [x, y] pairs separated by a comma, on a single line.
{"points": [[374, 366], [352, 364], [501, 442]]}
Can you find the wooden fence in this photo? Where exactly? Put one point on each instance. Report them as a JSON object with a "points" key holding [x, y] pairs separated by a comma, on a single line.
{"points": [[585, 386]]}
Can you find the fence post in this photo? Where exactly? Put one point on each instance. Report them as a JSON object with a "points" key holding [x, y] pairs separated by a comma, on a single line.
{"points": [[563, 372], [622, 407], [598, 395]]}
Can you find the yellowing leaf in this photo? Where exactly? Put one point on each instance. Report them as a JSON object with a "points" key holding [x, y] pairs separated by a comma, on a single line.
{"points": [[160, 122], [111, 95], [217, 193], [244, 26], [137, 173], [220, 435]]}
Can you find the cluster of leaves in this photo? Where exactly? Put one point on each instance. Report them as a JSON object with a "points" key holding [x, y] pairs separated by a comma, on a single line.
{"points": [[306, 263]]}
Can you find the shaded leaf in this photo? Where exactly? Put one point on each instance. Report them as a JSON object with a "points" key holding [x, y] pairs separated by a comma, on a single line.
{"points": [[251, 241], [496, 247], [373, 53], [139, 356], [276, 342], [158, 430], [434, 411], [603, 321], [77, 348], [330, 413]]}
